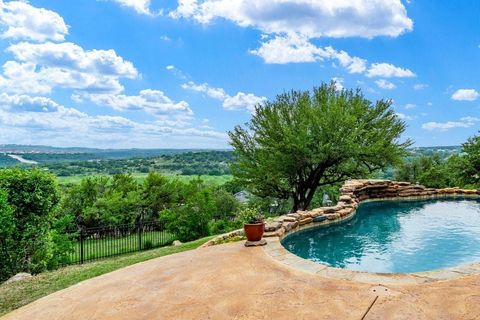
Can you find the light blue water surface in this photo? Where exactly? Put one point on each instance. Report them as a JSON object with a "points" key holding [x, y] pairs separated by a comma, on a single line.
{"points": [[397, 236]]}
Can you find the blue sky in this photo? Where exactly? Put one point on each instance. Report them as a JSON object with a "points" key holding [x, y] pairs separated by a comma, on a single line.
{"points": [[180, 74]]}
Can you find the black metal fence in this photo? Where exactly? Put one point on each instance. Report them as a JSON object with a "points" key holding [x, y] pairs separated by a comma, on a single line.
{"points": [[102, 242]]}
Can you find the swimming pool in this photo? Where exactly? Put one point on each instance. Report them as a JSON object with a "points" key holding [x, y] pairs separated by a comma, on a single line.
{"points": [[396, 236]]}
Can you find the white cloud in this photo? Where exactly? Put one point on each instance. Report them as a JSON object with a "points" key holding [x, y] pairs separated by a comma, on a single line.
{"points": [[68, 55], [405, 117], [419, 86], [465, 95], [54, 124], [38, 68], [21, 103], [327, 18], [140, 6], [410, 106], [338, 83], [386, 70], [20, 20], [239, 101], [385, 84], [243, 101], [151, 101], [293, 48], [464, 122]]}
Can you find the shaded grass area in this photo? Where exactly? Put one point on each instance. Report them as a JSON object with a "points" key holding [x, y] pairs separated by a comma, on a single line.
{"points": [[17, 294]]}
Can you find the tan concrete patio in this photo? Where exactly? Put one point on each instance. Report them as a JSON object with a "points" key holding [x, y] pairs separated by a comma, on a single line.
{"points": [[234, 282]]}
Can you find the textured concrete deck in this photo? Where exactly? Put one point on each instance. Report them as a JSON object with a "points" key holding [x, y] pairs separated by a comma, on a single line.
{"points": [[234, 282]]}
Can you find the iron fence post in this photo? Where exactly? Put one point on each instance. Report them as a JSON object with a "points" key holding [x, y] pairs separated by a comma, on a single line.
{"points": [[81, 246], [139, 234]]}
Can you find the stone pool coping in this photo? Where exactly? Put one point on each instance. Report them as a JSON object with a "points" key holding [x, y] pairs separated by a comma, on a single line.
{"points": [[352, 193]]}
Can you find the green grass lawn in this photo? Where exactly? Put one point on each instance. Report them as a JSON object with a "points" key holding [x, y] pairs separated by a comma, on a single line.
{"points": [[140, 177], [17, 294], [101, 248]]}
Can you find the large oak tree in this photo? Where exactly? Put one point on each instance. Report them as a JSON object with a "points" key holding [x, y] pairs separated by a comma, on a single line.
{"points": [[304, 140]]}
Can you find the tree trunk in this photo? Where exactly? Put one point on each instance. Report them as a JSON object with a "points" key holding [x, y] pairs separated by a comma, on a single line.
{"points": [[303, 197]]}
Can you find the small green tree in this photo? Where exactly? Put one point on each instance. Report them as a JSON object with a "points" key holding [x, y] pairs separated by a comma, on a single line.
{"points": [[471, 172], [303, 140]]}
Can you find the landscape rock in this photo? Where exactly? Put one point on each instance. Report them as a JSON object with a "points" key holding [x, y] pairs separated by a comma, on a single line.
{"points": [[19, 277], [272, 226]]}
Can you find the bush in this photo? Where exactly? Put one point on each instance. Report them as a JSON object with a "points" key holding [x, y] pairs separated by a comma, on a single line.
{"points": [[32, 244], [186, 222], [7, 245], [223, 226]]}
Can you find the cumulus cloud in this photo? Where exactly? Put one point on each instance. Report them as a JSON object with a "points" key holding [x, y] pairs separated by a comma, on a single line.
{"points": [[465, 122], [385, 84], [20, 103], [294, 48], [40, 67], [151, 101], [465, 95], [326, 18], [20, 20], [289, 26], [386, 70], [239, 101], [140, 6], [290, 48], [55, 124]]}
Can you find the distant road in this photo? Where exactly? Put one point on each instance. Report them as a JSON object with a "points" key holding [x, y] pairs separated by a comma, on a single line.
{"points": [[19, 158]]}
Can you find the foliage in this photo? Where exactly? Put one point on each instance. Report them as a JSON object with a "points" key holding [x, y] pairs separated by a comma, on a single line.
{"points": [[304, 140], [190, 209], [436, 171], [214, 163], [248, 215], [189, 218], [7, 243], [32, 244], [471, 173]]}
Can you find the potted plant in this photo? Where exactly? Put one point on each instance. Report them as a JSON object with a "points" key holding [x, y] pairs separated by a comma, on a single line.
{"points": [[253, 223]]}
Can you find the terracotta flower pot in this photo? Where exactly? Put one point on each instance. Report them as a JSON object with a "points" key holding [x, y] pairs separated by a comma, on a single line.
{"points": [[254, 231]]}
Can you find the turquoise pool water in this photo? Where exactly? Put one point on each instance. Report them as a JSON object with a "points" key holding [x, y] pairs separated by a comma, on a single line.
{"points": [[396, 236]]}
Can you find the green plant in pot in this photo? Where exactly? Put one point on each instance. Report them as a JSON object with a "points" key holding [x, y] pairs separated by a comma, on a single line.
{"points": [[253, 223]]}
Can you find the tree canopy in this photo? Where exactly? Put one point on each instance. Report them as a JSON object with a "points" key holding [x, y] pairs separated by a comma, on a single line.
{"points": [[303, 140]]}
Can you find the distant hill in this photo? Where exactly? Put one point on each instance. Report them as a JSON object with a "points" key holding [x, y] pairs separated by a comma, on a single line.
{"points": [[87, 161], [443, 151], [46, 154]]}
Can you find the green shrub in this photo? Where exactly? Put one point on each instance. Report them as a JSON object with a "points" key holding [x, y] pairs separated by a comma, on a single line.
{"points": [[31, 242]]}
